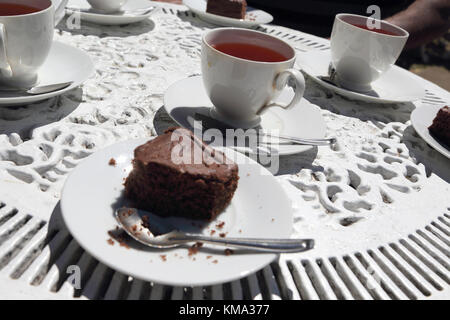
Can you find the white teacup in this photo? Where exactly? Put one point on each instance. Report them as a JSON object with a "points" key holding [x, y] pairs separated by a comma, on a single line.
{"points": [[240, 89], [107, 6], [361, 56], [26, 37]]}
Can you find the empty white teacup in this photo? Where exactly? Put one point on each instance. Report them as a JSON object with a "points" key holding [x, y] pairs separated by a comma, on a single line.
{"points": [[360, 55], [26, 36], [244, 71], [107, 6]]}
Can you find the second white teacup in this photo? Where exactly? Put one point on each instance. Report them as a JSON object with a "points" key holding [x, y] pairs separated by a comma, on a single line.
{"points": [[26, 36], [245, 70], [107, 6], [361, 55]]}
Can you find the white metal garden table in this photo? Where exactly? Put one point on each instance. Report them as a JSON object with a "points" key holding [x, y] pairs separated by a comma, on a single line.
{"points": [[377, 204]]}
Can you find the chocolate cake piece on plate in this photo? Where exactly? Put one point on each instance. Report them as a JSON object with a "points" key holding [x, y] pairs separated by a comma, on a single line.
{"points": [[176, 174], [441, 126], [227, 8]]}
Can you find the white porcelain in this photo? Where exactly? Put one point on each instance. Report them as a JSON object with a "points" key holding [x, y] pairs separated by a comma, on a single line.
{"points": [[260, 208], [25, 42], [121, 17], [64, 63], [361, 56], [395, 86], [253, 18], [188, 96], [421, 119], [243, 89], [107, 6]]}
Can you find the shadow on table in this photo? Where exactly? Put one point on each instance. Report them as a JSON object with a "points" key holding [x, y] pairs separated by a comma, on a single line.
{"points": [[79, 264], [89, 28], [24, 119], [433, 161], [289, 164], [364, 111]]}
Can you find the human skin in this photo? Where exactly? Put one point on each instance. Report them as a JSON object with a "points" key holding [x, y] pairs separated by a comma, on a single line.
{"points": [[425, 20]]}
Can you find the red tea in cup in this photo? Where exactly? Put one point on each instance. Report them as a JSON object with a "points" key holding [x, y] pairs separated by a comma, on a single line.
{"points": [[14, 9], [382, 31], [249, 52]]}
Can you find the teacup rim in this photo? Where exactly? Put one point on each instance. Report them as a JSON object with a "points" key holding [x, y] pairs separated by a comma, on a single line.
{"points": [[246, 60], [31, 13], [406, 33]]}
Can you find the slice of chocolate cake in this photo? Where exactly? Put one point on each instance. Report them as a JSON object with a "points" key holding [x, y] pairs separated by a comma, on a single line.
{"points": [[441, 125], [227, 8], [176, 174]]}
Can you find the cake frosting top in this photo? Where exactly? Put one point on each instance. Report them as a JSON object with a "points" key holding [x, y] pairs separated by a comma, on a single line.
{"points": [[181, 150]]}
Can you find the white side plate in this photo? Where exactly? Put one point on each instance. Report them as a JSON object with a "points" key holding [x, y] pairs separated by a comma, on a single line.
{"points": [[119, 18], [395, 86], [64, 64], [188, 96], [252, 19], [421, 119], [260, 208]]}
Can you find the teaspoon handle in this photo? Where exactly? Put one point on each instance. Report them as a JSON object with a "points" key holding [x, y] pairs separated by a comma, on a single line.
{"points": [[266, 245]]}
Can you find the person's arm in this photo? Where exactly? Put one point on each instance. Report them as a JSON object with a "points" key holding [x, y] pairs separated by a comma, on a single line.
{"points": [[425, 20]]}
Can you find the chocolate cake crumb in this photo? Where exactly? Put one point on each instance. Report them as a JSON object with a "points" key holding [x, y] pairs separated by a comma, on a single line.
{"points": [[228, 252], [120, 236], [112, 162], [222, 235], [212, 232], [194, 249], [163, 257], [145, 222], [208, 257], [124, 244], [215, 261], [220, 225], [110, 241]]}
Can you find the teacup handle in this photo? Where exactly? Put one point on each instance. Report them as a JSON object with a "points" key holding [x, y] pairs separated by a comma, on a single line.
{"points": [[5, 68], [280, 82], [60, 10]]}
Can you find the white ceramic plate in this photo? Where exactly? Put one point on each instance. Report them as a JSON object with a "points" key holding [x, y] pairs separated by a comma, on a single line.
{"points": [[260, 208], [252, 19], [421, 119], [395, 86], [64, 64], [188, 96], [119, 18]]}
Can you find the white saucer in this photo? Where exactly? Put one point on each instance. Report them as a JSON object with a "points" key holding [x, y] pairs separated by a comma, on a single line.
{"points": [[260, 208], [395, 86], [119, 18], [421, 118], [188, 96], [253, 18], [64, 64]]}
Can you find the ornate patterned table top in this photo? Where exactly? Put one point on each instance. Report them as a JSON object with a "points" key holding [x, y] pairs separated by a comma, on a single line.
{"points": [[377, 204]]}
